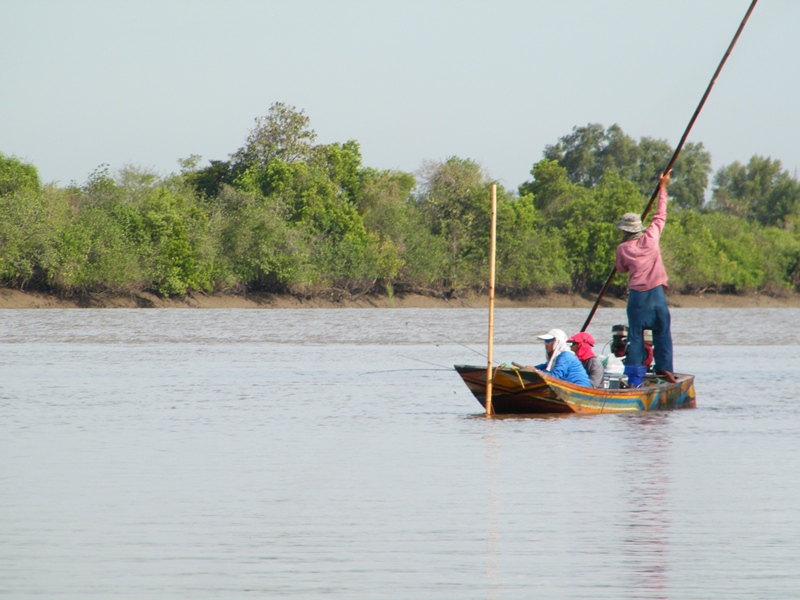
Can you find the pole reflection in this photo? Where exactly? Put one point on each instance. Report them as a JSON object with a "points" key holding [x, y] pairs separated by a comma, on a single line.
{"points": [[492, 536]]}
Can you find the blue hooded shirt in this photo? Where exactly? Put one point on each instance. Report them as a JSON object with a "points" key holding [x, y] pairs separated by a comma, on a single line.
{"points": [[568, 368]]}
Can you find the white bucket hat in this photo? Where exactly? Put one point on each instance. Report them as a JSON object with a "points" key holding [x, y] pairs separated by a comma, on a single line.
{"points": [[553, 334]]}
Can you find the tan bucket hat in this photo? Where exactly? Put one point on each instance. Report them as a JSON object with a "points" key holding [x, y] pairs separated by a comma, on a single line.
{"points": [[630, 223]]}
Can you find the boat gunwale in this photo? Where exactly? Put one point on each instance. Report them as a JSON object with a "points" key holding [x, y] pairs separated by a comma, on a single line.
{"points": [[573, 387], [563, 396]]}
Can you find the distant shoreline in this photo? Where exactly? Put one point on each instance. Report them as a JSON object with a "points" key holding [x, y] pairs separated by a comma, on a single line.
{"points": [[15, 299]]}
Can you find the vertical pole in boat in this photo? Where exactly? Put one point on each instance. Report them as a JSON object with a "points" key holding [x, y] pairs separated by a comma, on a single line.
{"points": [[489, 407]]}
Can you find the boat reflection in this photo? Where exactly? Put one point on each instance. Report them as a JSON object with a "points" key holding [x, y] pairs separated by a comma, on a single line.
{"points": [[627, 554], [645, 477]]}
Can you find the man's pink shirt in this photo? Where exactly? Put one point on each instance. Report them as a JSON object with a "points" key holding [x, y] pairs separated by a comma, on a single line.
{"points": [[642, 257]]}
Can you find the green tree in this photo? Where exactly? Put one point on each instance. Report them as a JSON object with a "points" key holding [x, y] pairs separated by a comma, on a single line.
{"points": [[781, 251], [28, 220], [715, 251], [263, 251], [691, 255], [689, 177], [175, 225], [93, 253], [589, 232], [161, 226], [551, 189], [454, 198], [320, 194], [384, 202], [426, 256], [17, 176], [530, 254], [209, 181], [588, 152], [761, 190], [282, 134]]}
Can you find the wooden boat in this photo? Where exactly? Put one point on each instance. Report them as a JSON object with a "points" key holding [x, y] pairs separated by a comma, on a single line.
{"points": [[517, 390]]}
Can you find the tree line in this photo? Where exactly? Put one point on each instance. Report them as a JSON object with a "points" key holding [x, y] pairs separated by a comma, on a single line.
{"points": [[287, 215]]}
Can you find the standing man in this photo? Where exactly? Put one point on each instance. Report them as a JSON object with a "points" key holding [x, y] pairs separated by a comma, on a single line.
{"points": [[640, 255]]}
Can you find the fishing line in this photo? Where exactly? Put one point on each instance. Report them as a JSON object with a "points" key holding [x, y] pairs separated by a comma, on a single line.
{"points": [[427, 362], [398, 370], [479, 353]]}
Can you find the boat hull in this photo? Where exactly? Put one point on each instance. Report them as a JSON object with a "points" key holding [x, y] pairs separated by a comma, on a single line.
{"points": [[529, 391]]}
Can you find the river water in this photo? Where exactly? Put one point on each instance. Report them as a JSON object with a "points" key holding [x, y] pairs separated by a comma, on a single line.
{"points": [[335, 453]]}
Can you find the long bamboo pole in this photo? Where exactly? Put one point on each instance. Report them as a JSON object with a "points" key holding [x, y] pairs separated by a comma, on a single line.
{"points": [[492, 252], [677, 150]]}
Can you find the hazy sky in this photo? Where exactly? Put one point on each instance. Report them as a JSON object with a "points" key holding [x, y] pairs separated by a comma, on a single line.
{"points": [[146, 83]]}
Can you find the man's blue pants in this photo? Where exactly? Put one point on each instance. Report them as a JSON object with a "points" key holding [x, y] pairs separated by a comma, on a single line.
{"points": [[648, 310]]}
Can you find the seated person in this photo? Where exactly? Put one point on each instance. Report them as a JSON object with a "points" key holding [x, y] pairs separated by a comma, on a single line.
{"points": [[582, 343], [561, 362]]}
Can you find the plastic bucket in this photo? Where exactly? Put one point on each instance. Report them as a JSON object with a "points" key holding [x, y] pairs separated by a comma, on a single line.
{"points": [[635, 375]]}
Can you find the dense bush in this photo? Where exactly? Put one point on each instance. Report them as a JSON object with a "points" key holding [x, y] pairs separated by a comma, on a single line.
{"points": [[285, 215]]}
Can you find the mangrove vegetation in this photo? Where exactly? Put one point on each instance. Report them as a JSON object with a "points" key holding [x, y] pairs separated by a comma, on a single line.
{"points": [[286, 215]]}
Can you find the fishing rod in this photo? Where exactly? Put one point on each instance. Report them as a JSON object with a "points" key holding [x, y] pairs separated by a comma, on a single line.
{"points": [[677, 150], [427, 362]]}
